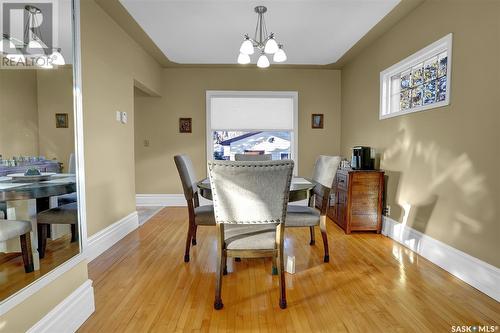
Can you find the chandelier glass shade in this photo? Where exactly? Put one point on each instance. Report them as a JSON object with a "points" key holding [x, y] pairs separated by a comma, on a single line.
{"points": [[262, 42]]}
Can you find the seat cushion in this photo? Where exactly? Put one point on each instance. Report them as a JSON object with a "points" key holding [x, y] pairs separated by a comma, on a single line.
{"points": [[67, 199], [66, 214], [12, 229], [204, 215], [301, 216], [250, 236]]}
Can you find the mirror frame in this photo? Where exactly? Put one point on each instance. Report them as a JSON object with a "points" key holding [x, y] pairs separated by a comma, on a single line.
{"points": [[23, 294]]}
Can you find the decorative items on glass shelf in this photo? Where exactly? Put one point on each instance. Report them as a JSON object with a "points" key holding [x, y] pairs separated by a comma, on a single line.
{"points": [[21, 160], [262, 41]]}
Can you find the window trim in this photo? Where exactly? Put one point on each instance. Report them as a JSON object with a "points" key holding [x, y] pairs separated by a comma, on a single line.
{"points": [[258, 94], [443, 44]]}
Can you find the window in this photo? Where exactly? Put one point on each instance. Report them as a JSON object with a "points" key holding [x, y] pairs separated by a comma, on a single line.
{"points": [[419, 82], [247, 122]]}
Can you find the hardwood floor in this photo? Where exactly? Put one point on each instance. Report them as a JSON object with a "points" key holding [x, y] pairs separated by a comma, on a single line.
{"points": [[371, 284], [12, 275]]}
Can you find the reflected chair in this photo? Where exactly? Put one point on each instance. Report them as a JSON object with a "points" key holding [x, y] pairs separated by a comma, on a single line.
{"points": [[198, 215], [253, 157], [70, 197], [250, 200], [65, 214], [10, 229], [315, 213]]}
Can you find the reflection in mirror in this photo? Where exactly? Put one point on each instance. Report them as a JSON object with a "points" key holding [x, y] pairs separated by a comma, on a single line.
{"points": [[39, 225]]}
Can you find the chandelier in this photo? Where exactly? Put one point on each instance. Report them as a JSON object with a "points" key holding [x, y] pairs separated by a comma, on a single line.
{"points": [[262, 43]]}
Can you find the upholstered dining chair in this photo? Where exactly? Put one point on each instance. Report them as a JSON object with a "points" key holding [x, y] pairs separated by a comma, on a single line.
{"points": [[70, 197], [253, 157], [315, 213], [198, 215], [10, 229], [65, 214], [250, 200]]}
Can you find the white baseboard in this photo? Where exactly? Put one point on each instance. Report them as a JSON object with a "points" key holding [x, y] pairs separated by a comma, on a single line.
{"points": [[104, 239], [477, 273], [70, 314], [160, 200]]}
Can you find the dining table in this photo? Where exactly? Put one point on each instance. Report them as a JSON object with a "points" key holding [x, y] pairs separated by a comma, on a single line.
{"points": [[300, 189], [24, 200]]}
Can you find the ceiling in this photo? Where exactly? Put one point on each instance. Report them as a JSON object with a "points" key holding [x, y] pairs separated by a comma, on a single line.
{"points": [[314, 32]]}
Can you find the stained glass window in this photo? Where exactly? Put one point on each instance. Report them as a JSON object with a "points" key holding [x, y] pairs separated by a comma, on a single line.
{"points": [[419, 82]]}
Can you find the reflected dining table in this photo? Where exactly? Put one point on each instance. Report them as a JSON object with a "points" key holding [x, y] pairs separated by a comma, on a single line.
{"points": [[28, 199], [300, 189]]}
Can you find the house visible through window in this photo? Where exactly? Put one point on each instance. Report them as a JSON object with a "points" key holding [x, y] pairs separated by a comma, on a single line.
{"points": [[419, 82], [251, 123]]}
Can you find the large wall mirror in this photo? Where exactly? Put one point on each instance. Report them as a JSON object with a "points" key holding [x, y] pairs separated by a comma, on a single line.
{"points": [[39, 214]]}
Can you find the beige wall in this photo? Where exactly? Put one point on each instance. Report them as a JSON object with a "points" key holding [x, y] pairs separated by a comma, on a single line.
{"points": [[443, 163], [29, 100], [183, 95], [108, 86], [18, 113], [29, 312], [55, 95]]}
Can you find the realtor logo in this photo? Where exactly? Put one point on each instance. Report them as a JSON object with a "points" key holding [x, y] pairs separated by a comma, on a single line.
{"points": [[28, 31]]}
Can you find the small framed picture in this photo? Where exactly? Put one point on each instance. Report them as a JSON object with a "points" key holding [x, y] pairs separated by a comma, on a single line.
{"points": [[185, 125], [61, 120], [317, 120]]}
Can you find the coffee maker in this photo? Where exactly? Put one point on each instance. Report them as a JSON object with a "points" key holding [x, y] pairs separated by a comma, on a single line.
{"points": [[361, 158]]}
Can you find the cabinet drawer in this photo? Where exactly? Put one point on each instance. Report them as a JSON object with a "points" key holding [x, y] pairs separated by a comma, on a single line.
{"points": [[342, 180]]}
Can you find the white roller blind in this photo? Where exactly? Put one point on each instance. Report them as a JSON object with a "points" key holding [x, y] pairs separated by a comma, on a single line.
{"points": [[252, 113]]}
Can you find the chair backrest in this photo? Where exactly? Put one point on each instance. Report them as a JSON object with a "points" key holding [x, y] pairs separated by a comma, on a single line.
{"points": [[253, 157], [253, 192], [187, 175], [72, 164], [325, 170]]}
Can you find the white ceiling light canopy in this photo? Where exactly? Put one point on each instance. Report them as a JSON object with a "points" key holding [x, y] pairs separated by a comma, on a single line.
{"points": [[262, 41]]}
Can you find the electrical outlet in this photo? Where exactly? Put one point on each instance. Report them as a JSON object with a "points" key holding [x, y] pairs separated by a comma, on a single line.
{"points": [[387, 210]]}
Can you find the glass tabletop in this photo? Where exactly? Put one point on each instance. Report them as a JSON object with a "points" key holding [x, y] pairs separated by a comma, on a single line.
{"points": [[59, 184]]}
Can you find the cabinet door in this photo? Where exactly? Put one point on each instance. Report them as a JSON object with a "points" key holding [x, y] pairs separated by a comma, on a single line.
{"points": [[341, 208]]}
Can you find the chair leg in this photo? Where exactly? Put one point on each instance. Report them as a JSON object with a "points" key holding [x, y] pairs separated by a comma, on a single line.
{"points": [[26, 252], [188, 241], [224, 263], [42, 239], [220, 263], [322, 225], [313, 238], [280, 231], [74, 233], [275, 267], [195, 228]]}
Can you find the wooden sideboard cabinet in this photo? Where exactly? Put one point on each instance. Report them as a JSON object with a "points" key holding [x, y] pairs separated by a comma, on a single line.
{"points": [[356, 200]]}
